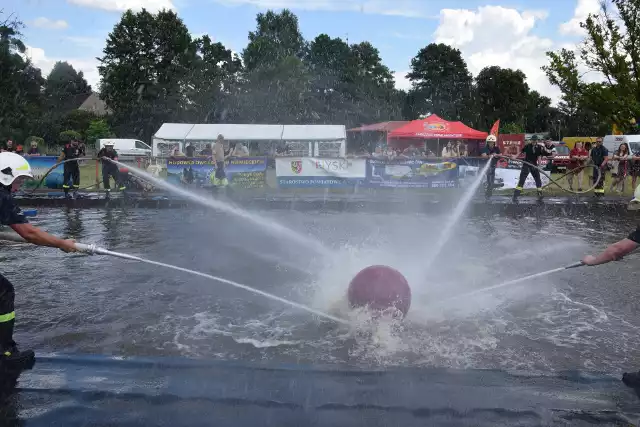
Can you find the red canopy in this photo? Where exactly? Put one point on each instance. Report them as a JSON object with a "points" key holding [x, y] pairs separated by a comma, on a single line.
{"points": [[379, 127], [434, 127]]}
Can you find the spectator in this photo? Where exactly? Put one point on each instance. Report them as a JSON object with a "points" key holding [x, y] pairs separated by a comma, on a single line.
{"points": [[448, 151], [600, 157], [207, 152], [33, 151], [622, 156], [175, 152], [190, 150], [9, 146], [19, 150], [462, 149], [577, 161], [239, 150], [219, 178], [634, 167]]}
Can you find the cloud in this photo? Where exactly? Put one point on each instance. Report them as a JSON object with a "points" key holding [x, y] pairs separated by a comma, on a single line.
{"points": [[582, 11], [123, 5], [89, 66], [406, 8], [401, 80], [496, 35], [49, 24]]}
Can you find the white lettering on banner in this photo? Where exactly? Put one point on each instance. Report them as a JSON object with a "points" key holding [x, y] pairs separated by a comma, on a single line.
{"points": [[312, 166]]}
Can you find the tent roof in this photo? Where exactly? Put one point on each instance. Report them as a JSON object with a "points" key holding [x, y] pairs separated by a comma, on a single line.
{"points": [[380, 127], [250, 132], [435, 127], [313, 133], [232, 132]]}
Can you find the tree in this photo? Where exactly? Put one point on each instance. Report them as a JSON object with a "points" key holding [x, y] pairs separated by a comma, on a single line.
{"points": [[146, 71], [611, 50], [67, 136], [539, 113], [98, 129], [65, 88], [20, 84], [441, 83], [501, 93], [213, 79], [277, 37]]}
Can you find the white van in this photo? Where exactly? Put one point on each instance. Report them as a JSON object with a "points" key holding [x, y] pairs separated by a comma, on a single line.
{"points": [[612, 142], [126, 148]]}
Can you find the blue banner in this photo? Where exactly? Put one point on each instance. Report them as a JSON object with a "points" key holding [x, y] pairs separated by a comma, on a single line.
{"points": [[40, 165], [245, 172], [411, 173]]}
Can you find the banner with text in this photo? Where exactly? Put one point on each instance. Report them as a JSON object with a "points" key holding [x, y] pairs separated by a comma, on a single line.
{"points": [[411, 173], [507, 174], [320, 172], [245, 172]]}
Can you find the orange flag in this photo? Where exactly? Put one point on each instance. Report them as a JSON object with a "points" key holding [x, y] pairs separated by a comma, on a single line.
{"points": [[495, 127]]}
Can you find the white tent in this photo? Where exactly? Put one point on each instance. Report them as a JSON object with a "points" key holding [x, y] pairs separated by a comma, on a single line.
{"points": [[302, 140]]}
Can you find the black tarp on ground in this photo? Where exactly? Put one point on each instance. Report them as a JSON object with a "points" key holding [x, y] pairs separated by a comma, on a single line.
{"points": [[97, 391]]}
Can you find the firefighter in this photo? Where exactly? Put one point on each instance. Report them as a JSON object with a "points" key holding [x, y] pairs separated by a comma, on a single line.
{"points": [[616, 252], [489, 150], [599, 156], [71, 173], [532, 152], [110, 169], [14, 169]]}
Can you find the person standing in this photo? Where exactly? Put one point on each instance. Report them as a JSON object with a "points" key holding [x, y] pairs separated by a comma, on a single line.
{"points": [[577, 160], [490, 150], [532, 152], [14, 170], [219, 179], [70, 152], [599, 157], [622, 157], [110, 169]]}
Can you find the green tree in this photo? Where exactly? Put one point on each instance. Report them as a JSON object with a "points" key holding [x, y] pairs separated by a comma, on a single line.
{"points": [[539, 113], [66, 136], [277, 37], [98, 129], [20, 84], [611, 50], [65, 88], [501, 93], [146, 70], [441, 83], [511, 128], [213, 80]]}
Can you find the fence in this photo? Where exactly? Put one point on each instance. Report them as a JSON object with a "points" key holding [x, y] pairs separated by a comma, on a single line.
{"points": [[316, 172]]}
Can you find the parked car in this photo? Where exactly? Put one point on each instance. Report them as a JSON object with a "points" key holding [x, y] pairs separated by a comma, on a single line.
{"points": [[562, 159], [129, 150]]}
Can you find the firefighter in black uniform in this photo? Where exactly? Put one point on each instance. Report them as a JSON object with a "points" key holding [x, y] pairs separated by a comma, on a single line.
{"points": [[14, 169], [489, 150], [71, 169], [532, 152], [599, 156], [110, 169]]}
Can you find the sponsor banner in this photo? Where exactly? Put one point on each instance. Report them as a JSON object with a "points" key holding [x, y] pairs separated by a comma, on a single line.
{"points": [[40, 165], [411, 173], [245, 172], [507, 174], [313, 166], [319, 172]]}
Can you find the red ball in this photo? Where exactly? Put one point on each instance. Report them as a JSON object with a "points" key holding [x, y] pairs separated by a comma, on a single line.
{"points": [[380, 288]]}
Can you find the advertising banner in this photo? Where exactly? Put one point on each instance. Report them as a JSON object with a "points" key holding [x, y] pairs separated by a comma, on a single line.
{"points": [[40, 165], [507, 174], [245, 172], [411, 173], [320, 172]]}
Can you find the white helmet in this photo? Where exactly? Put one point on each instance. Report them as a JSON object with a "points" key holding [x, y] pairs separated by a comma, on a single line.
{"points": [[634, 204], [13, 165], [491, 138]]}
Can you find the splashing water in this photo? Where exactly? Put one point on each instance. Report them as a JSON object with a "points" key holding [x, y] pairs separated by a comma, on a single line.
{"points": [[271, 226], [456, 215]]}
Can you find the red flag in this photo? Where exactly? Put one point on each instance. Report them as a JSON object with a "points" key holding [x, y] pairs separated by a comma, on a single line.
{"points": [[494, 128]]}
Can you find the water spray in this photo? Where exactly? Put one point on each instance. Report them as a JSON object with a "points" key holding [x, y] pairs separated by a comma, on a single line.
{"points": [[92, 249], [512, 282]]}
